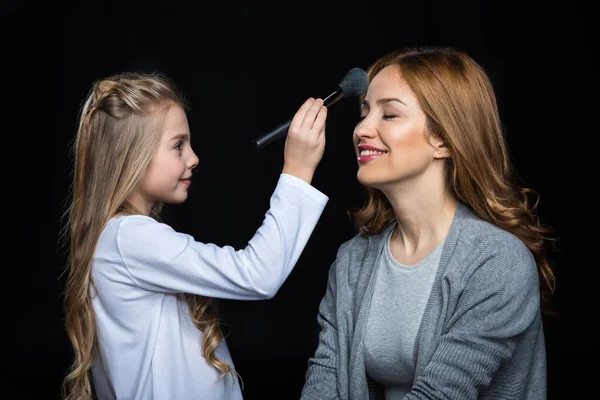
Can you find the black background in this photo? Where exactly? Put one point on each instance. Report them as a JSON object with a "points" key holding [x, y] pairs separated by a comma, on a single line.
{"points": [[246, 67]]}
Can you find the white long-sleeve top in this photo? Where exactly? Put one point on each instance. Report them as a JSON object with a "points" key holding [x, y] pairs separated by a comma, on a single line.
{"points": [[149, 348]]}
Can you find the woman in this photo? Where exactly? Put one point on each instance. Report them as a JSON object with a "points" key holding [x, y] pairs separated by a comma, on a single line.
{"points": [[439, 294]]}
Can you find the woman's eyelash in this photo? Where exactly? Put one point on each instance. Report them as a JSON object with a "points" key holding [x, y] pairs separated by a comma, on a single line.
{"points": [[385, 116]]}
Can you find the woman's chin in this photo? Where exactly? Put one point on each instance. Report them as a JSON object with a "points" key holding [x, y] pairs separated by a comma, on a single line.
{"points": [[365, 179]]}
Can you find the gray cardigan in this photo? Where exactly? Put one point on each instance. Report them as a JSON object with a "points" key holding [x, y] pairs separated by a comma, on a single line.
{"points": [[481, 336]]}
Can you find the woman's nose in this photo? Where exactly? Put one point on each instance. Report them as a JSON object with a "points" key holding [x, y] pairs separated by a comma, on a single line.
{"points": [[364, 130]]}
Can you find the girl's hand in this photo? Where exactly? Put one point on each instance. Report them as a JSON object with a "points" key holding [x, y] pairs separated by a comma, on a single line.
{"points": [[305, 142]]}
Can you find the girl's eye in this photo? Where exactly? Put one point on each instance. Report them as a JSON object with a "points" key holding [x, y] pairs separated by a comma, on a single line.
{"points": [[178, 146]]}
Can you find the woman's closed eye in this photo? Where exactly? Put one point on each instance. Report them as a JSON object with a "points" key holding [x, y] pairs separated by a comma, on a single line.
{"points": [[384, 116]]}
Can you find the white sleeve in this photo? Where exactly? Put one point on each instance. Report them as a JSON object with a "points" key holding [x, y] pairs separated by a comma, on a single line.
{"points": [[158, 258]]}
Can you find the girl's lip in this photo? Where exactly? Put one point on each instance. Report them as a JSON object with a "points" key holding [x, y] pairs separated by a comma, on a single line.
{"points": [[186, 181]]}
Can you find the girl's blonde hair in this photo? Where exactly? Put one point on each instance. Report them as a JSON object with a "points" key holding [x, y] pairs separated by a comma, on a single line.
{"points": [[120, 125], [458, 100]]}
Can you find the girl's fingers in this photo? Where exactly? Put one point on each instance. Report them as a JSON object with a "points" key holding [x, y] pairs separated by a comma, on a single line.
{"points": [[300, 114], [311, 113], [320, 120]]}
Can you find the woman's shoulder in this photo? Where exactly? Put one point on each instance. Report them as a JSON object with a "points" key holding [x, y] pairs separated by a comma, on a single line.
{"points": [[476, 232], [483, 247]]}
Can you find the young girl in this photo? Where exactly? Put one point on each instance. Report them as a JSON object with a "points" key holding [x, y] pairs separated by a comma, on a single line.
{"points": [[138, 295]]}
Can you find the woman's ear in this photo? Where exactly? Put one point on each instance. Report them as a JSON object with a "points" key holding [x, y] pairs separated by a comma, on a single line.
{"points": [[440, 150]]}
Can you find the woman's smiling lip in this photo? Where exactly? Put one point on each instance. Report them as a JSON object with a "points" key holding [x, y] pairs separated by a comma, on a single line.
{"points": [[362, 147], [369, 157]]}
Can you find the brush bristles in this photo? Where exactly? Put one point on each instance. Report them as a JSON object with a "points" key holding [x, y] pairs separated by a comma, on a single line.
{"points": [[355, 82]]}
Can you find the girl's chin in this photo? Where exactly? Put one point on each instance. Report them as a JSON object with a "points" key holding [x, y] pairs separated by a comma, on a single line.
{"points": [[178, 199]]}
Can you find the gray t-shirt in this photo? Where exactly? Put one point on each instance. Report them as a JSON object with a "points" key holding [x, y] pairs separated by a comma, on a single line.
{"points": [[399, 298]]}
